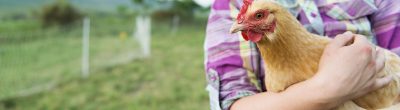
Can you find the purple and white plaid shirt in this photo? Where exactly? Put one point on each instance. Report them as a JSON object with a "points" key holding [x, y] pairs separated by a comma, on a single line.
{"points": [[234, 67]]}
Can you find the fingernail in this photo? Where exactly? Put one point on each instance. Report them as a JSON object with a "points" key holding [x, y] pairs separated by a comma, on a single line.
{"points": [[347, 33]]}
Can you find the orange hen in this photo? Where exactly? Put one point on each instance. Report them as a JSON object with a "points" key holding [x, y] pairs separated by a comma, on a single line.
{"points": [[291, 54]]}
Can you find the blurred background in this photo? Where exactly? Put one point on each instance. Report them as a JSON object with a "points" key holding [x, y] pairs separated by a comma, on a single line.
{"points": [[102, 54]]}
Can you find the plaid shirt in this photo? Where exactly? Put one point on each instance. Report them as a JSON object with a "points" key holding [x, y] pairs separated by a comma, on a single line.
{"points": [[234, 67]]}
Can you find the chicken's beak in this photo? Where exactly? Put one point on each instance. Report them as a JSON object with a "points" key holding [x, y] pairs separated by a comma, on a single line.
{"points": [[236, 27]]}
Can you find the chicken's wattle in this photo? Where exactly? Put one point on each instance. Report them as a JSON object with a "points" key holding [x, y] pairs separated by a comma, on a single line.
{"points": [[252, 36]]}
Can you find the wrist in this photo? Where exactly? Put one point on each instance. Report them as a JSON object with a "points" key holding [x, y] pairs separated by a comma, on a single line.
{"points": [[324, 92]]}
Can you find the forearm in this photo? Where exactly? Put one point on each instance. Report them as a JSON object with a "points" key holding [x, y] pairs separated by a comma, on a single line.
{"points": [[306, 95]]}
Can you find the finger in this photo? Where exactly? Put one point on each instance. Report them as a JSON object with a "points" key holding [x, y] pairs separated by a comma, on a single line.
{"points": [[381, 82], [374, 53], [362, 46], [351, 36], [377, 64], [341, 40], [374, 50], [380, 60], [360, 40]]}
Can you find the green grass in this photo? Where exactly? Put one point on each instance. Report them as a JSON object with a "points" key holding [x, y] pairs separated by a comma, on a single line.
{"points": [[35, 59], [171, 79]]}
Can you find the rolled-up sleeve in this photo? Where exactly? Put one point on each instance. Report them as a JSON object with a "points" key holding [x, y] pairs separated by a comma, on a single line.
{"points": [[228, 59], [386, 24]]}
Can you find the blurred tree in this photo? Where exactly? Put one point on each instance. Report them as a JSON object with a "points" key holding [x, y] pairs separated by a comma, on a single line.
{"points": [[178, 8], [148, 7], [179, 11], [122, 10], [59, 13], [185, 8]]}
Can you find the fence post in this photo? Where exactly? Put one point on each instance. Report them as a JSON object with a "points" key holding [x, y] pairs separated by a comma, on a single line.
{"points": [[175, 24], [143, 34], [147, 38], [85, 47]]}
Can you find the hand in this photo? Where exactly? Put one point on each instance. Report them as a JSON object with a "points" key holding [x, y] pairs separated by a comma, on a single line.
{"points": [[350, 71]]}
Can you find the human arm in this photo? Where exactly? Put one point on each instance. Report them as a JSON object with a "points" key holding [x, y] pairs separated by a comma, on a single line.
{"points": [[326, 89], [301, 96]]}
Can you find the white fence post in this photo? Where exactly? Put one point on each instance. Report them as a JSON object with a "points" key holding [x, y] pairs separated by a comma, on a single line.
{"points": [[175, 24], [85, 47], [143, 33], [147, 40]]}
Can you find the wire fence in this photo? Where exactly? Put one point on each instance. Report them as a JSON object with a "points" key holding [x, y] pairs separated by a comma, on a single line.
{"points": [[38, 60]]}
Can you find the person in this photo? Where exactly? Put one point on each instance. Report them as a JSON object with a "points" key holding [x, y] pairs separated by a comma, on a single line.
{"points": [[234, 68]]}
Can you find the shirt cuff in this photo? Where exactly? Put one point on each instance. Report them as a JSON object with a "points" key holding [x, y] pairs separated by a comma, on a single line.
{"points": [[227, 103]]}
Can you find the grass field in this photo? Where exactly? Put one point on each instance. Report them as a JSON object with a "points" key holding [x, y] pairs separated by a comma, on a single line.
{"points": [[32, 58], [171, 79]]}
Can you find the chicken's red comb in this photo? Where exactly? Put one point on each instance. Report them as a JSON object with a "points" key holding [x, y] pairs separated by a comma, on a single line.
{"points": [[240, 17]]}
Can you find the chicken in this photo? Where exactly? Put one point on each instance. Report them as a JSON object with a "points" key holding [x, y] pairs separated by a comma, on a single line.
{"points": [[291, 54]]}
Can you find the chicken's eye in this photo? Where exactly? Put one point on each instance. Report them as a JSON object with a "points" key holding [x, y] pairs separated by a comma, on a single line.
{"points": [[259, 16]]}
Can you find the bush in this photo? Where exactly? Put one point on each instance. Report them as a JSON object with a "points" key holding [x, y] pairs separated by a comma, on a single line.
{"points": [[60, 13], [184, 9]]}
